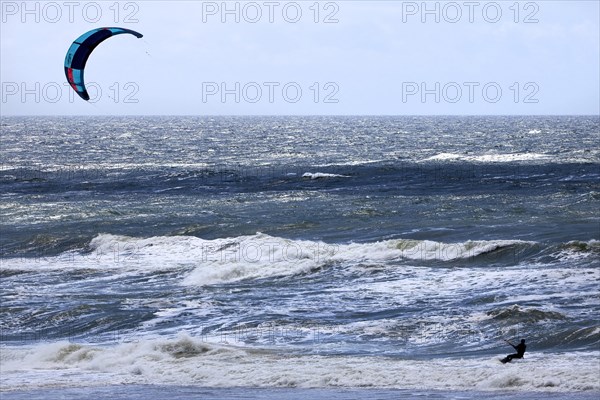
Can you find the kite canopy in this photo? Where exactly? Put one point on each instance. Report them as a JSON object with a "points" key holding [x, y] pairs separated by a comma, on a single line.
{"points": [[79, 52]]}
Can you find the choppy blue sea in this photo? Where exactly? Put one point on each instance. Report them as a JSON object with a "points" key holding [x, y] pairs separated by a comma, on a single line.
{"points": [[315, 253]]}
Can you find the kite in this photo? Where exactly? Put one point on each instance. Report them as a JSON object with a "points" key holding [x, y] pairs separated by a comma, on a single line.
{"points": [[79, 52]]}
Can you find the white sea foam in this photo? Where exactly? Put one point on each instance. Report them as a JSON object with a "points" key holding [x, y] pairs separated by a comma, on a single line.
{"points": [[445, 157], [351, 163], [248, 257], [263, 256], [577, 250], [200, 262], [186, 360], [490, 158], [321, 175]]}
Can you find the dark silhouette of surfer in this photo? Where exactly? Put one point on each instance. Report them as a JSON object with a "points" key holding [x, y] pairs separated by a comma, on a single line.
{"points": [[520, 348]]}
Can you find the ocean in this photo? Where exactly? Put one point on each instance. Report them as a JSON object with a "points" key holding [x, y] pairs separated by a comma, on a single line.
{"points": [[299, 257]]}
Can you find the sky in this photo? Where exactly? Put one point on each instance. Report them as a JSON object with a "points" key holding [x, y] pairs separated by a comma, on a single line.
{"points": [[306, 57]]}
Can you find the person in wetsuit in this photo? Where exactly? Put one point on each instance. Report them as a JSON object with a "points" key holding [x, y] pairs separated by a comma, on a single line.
{"points": [[520, 348]]}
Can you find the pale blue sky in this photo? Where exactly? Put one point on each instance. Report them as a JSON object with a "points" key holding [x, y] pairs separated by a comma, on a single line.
{"points": [[373, 57]]}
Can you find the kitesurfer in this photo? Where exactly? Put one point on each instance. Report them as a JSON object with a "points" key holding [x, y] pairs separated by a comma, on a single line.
{"points": [[520, 351]]}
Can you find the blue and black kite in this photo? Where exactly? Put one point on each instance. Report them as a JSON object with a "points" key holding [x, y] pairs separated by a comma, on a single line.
{"points": [[79, 52]]}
